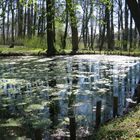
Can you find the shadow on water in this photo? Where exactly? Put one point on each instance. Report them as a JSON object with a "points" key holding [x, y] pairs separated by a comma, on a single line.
{"points": [[66, 97]]}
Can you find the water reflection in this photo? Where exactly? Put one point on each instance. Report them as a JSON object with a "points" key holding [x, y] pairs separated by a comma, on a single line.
{"points": [[56, 98]]}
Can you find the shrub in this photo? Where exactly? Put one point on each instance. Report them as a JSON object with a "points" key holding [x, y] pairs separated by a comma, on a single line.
{"points": [[36, 42]]}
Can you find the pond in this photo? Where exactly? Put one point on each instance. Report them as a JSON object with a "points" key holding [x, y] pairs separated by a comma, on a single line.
{"points": [[56, 98]]}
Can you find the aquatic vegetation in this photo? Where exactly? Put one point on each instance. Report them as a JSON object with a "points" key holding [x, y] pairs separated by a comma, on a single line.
{"points": [[50, 94]]}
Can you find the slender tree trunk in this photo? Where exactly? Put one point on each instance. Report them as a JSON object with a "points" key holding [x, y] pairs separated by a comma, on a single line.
{"points": [[107, 13], [83, 30], [29, 23], [8, 23], [53, 16], [39, 19], [31, 20], [4, 4], [12, 11], [25, 20], [131, 30], [66, 29], [3, 29], [94, 35], [102, 38], [74, 30], [86, 25], [85, 22], [135, 36], [125, 40], [112, 27], [35, 19], [42, 19], [121, 24], [119, 38], [91, 39], [102, 29], [20, 19]]}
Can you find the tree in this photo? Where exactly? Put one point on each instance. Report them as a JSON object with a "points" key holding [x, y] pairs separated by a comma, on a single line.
{"points": [[102, 28], [8, 24], [3, 19], [20, 18], [131, 39], [125, 32], [112, 26], [25, 21], [12, 11], [74, 31], [135, 12], [107, 14], [66, 29], [29, 23], [50, 28]]}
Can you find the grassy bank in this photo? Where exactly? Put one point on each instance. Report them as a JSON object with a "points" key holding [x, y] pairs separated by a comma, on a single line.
{"points": [[19, 50], [123, 128], [23, 50]]}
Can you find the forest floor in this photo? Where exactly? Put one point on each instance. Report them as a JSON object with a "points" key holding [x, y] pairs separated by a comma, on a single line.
{"points": [[122, 128], [23, 51]]}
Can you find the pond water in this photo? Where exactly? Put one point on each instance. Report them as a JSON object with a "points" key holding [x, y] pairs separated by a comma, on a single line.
{"points": [[55, 98]]}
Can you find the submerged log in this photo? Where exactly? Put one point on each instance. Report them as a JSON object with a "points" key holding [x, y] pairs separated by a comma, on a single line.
{"points": [[115, 106], [98, 113], [138, 93]]}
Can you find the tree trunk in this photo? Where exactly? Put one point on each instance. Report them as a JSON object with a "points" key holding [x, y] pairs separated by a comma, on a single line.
{"points": [[102, 29], [42, 19], [125, 33], [25, 20], [29, 24], [131, 31], [12, 11], [66, 29], [35, 19], [112, 27], [50, 29], [31, 19], [8, 23], [3, 28], [119, 25], [74, 30], [135, 40], [4, 4], [91, 38], [20, 19], [107, 13], [135, 12]]}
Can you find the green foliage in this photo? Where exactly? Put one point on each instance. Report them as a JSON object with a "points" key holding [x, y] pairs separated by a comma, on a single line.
{"points": [[33, 107], [12, 123], [108, 3], [35, 42], [59, 35], [59, 38], [124, 128], [19, 50]]}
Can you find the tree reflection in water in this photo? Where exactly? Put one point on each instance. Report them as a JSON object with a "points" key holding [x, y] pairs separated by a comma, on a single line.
{"points": [[46, 98]]}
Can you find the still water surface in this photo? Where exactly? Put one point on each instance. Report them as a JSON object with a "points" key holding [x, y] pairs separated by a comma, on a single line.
{"points": [[55, 98]]}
